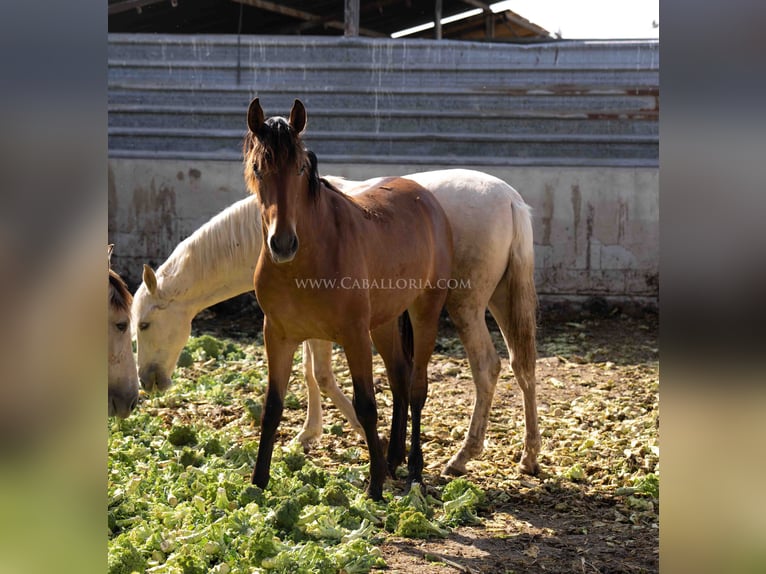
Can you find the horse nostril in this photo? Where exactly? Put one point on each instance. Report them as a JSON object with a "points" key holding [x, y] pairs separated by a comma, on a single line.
{"points": [[133, 404], [112, 407], [274, 244]]}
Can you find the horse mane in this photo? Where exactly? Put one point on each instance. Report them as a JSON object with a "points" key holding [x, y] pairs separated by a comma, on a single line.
{"points": [[119, 294], [315, 180], [221, 241]]}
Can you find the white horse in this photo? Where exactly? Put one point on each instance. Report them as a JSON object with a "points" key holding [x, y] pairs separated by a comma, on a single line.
{"points": [[493, 267], [123, 376]]}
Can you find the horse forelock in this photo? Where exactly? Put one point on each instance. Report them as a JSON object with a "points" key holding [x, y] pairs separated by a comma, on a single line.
{"points": [[275, 145], [119, 294]]}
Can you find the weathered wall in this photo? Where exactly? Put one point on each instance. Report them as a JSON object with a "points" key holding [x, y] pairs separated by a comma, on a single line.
{"points": [[596, 229], [572, 125]]}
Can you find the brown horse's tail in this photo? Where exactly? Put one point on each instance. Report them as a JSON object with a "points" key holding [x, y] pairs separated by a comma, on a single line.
{"points": [[407, 336], [523, 296]]}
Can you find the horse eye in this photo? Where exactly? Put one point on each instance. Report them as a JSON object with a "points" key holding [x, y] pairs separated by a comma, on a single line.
{"points": [[122, 326], [143, 326]]}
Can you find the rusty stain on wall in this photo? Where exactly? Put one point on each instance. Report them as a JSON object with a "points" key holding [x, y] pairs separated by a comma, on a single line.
{"points": [[576, 206], [590, 216], [622, 219], [546, 213], [153, 218]]}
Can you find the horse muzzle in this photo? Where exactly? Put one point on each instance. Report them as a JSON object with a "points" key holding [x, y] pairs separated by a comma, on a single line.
{"points": [[121, 404], [283, 247], [152, 379]]}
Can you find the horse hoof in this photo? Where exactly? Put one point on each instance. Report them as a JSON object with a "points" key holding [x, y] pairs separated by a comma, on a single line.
{"points": [[453, 469], [375, 493], [306, 442], [531, 468]]}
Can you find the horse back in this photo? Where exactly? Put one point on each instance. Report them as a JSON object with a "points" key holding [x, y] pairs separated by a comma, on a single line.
{"points": [[401, 216], [399, 204]]}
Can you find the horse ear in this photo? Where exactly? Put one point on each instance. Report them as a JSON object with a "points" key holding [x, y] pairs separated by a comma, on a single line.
{"points": [[298, 117], [109, 249], [150, 279], [254, 116]]}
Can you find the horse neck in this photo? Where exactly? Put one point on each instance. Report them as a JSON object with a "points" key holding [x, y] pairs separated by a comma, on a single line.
{"points": [[320, 227], [217, 261]]}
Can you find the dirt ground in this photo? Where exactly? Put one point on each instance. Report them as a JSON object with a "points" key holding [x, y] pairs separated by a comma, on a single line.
{"points": [[598, 402]]}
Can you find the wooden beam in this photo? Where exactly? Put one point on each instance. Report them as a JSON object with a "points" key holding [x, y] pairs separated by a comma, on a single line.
{"points": [[478, 4], [280, 9], [351, 12], [489, 25], [438, 19], [307, 17], [524, 23], [126, 5]]}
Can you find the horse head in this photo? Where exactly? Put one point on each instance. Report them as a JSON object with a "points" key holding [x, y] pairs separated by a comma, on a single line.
{"points": [[275, 162], [123, 377], [162, 327]]}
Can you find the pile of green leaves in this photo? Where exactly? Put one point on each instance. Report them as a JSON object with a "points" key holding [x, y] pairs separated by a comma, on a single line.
{"points": [[180, 500]]}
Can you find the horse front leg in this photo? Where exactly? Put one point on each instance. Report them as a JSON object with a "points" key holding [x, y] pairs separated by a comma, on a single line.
{"points": [[398, 362], [279, 354], [359, 355]]}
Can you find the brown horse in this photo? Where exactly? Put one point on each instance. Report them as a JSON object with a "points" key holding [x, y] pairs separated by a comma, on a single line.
{"points": [[343, 269], [123, 375]]}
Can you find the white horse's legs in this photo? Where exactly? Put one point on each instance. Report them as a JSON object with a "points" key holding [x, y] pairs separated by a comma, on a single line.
{"points": [[321, 353], [523, 365], [317, 368], [532, 441], [485, 368], [312, 426]]}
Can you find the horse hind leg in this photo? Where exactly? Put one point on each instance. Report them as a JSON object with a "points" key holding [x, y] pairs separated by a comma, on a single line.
{"points": [[485, 368], [522, 348], [317, 368], [312, 426]]}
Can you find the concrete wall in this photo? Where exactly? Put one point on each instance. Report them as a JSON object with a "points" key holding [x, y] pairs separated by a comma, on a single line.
{"points": [[596, 228]]}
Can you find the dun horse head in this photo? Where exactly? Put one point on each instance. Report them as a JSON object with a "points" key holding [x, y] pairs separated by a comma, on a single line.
{"points": [[275, 171], [123, 378]]}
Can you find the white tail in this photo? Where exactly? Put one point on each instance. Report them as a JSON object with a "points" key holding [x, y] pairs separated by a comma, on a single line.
{"points": [[521, 275]]}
